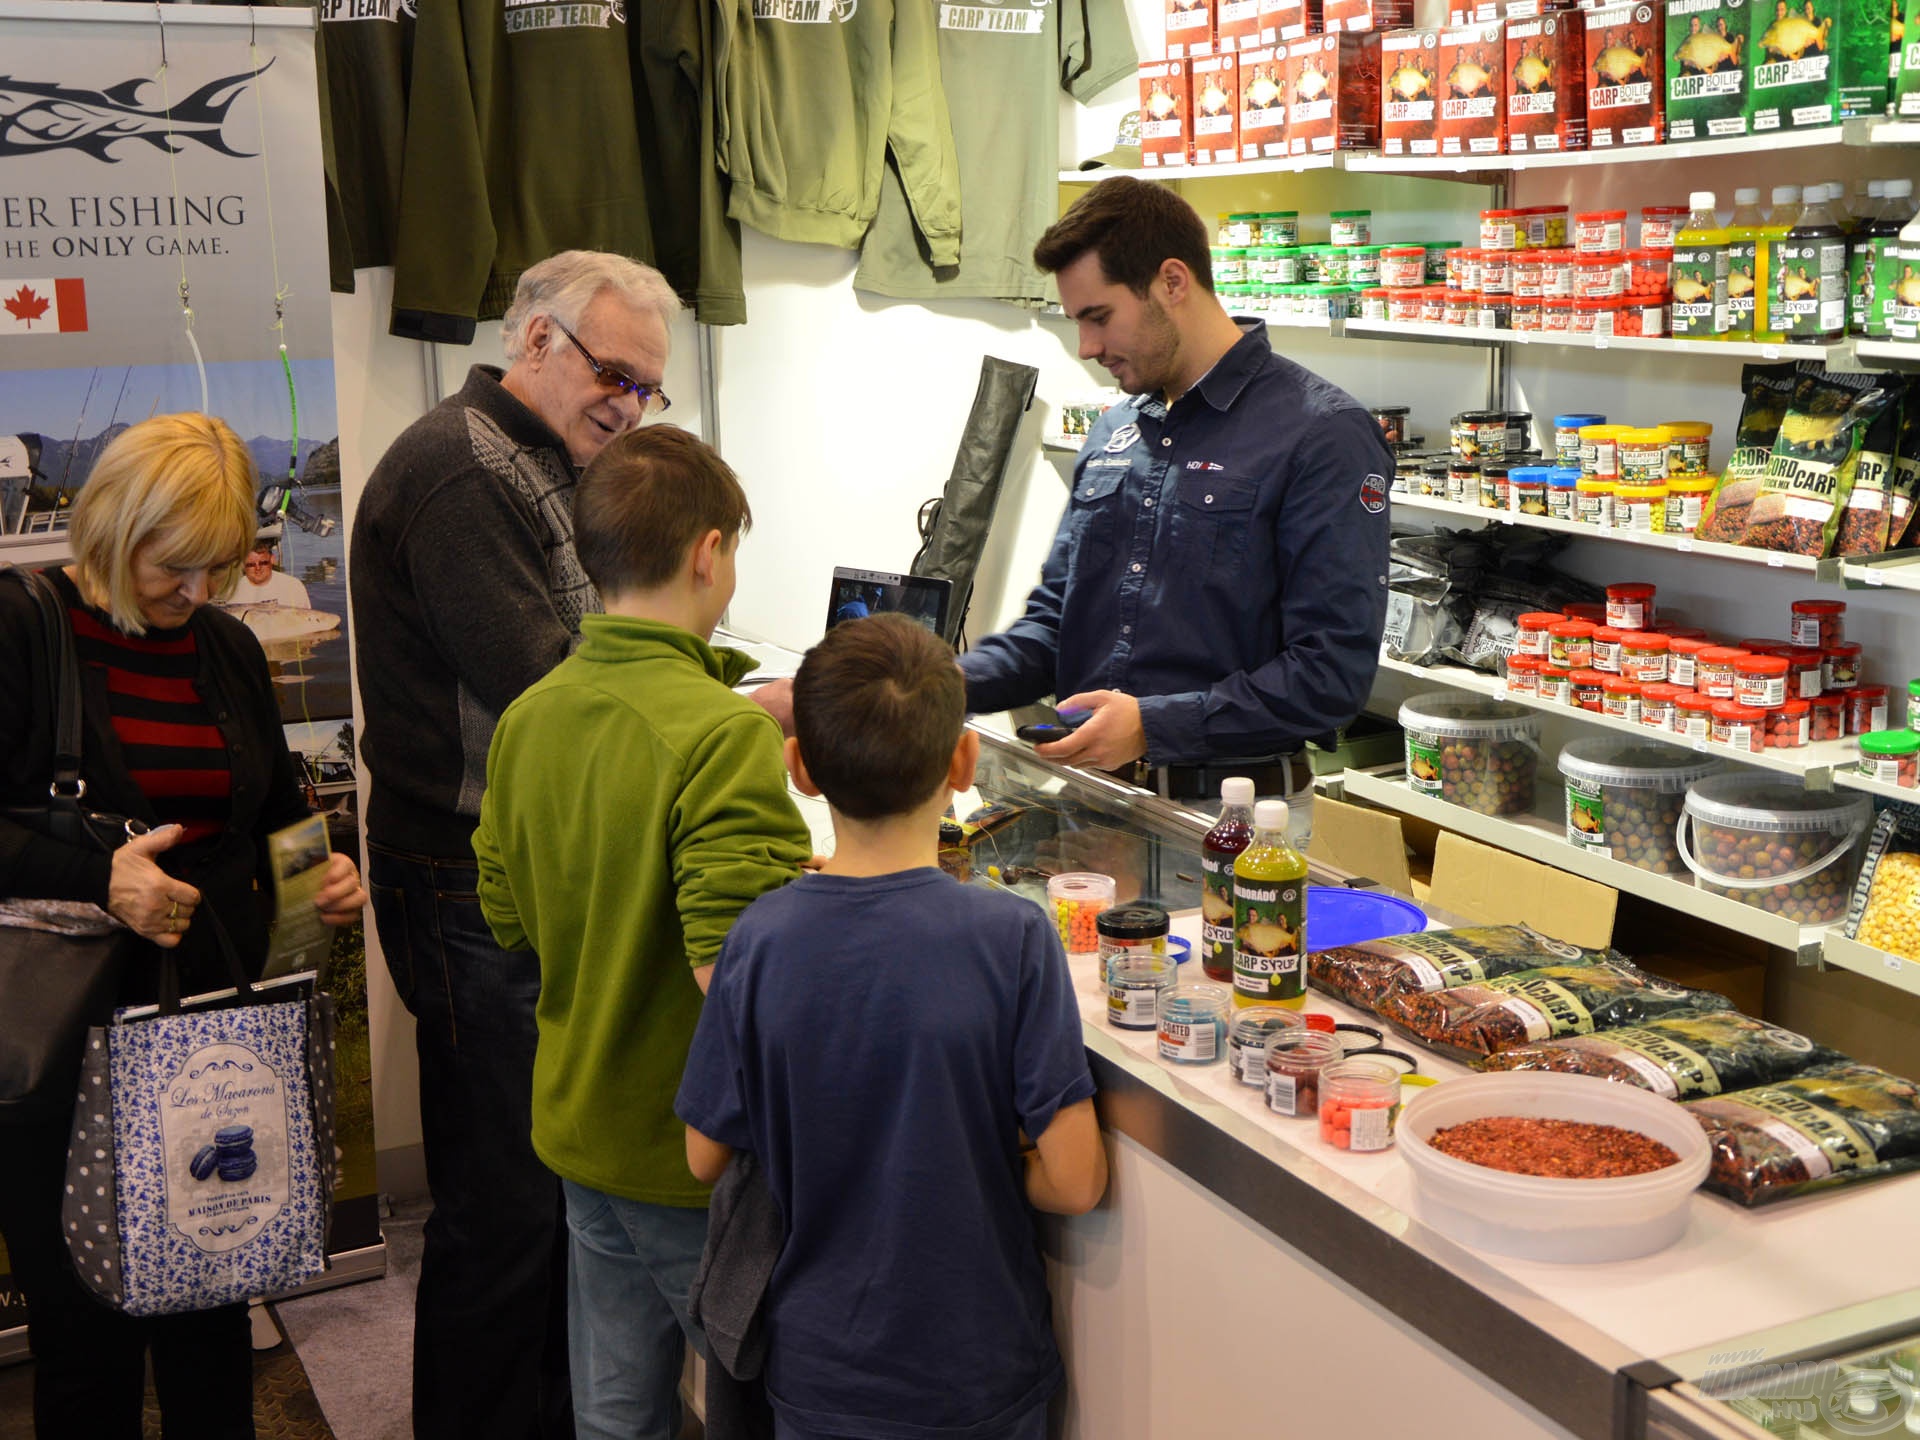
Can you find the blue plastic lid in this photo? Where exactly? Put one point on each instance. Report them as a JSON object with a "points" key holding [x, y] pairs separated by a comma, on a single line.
{"points": [[1574, 422], [1337, 916], [1529, 474], [1563, 475]]}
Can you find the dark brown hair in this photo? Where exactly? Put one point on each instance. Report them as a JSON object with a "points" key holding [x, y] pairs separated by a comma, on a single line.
{"points": [[877, 708], [645, 500], [1134, 226]]}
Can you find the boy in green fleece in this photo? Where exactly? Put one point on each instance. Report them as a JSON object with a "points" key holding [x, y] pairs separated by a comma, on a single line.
{"points": [[634, 806]]}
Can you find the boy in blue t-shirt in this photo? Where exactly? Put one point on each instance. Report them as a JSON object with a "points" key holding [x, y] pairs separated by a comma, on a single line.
{"points": [[879, 1036]]}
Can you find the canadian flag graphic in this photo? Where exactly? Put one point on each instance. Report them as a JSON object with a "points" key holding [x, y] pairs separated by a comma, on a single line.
{"points": [[42, 307]]}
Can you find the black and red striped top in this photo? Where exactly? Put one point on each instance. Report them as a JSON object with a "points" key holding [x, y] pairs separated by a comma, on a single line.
{"points": [[173, 751]]}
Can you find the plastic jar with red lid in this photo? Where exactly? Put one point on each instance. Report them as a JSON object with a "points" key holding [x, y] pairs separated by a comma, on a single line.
{"points": [[1556, 685], [1693, 715], [1841, 662], [1806, 676], [1556, 315], [1586, 610], [1620, 698], [1546, 225], [1789, 726], [1494, 312], [1496, 272], [1523, 673], [1656, 704], [1528, 315], [1606, 649], [1866, 709], [1463, 309], [1599, 277], [1529, 271], [1659, 224], [1403, 266], [1463, 268], [1682, 652], [1760, 681], [1829, 717], [1644, 657], [1403, 306], [1713, 672], [1741, 727], [1589, 690], [1647, 273], [1570, 643], [1597, 232], [1433, 304], [1531, 631], [1501, 229], [1819, 622], [1556, 274], [1373, 303], [1630, 605], [1641, 316], [1595, 317]]}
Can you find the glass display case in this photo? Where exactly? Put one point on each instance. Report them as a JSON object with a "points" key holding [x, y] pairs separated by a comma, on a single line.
{"points": [[1842, 1393]]}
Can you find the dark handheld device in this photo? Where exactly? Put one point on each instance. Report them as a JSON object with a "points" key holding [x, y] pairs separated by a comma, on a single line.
{"points": [[1043, 731]]}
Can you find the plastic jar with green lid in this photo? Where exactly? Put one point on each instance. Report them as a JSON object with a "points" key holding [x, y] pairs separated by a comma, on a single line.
{"points": [[1238, 229], [1767, 842], [1624, 798], [1277, 227], [1891, 756], [1913, 704], [1363, 265], [1231, 266], [1351, 227], [1334, 265], [1437, 259]]}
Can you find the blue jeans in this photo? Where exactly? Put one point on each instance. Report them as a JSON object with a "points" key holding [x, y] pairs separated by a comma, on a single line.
{"points": [[489, 1330], [630, 1266], [1030, 1426]]}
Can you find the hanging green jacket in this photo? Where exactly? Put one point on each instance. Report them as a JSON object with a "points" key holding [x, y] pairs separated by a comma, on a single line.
{"points": [[535, 126], [816, 94]]}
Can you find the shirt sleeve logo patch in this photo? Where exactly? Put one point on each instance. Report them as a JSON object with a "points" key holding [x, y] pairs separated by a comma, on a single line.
{"points": [[1122, 439], [1373, 494]]}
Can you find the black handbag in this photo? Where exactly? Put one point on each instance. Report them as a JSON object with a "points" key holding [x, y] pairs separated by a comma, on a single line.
{"points": [[59, 962]]}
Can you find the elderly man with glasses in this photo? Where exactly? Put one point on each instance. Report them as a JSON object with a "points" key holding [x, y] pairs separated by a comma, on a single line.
{"points": [[466, 589]]}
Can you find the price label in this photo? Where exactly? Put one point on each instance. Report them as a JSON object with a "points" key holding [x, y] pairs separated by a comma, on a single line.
{"points": [[1770, 352], [1875, 579], [1892, 962], [1776, 561], [1686, 544], [1599, 340], [1506, 520]]}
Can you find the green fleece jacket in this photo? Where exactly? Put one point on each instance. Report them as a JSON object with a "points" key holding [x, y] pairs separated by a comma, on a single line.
{"points": [[635, 806]]}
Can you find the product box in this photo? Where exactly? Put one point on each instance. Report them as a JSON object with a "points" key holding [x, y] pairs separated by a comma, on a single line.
{"points": [[1706, 69], [1791, 74], [1215, 86], [1862, 44], [1165, 113], [1546, 82], [1906, 76], [1284, 21], [1263, 103], [1236, 24], [1473, 113], [1366, 14], [1409, 103], [1333, 89], [1626, 89], [1189, 28]]}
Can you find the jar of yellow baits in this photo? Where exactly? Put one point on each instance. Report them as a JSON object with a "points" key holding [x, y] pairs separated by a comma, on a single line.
{"points": [[1643, 456], [1640, 507]]}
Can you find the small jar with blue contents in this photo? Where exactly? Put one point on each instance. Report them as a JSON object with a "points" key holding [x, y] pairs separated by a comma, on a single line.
{"points": [[1247, 1039], [1135, 983], [1193, 1022]]}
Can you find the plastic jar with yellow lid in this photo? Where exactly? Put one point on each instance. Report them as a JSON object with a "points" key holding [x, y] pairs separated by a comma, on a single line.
{"points": [[1593, 502], [1600, 450], [1688, 446], [1642, 508], [1686, 498], [1643, 455]]}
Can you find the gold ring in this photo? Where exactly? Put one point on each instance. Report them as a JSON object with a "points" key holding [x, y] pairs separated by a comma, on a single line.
{"points": [[174, 913]]}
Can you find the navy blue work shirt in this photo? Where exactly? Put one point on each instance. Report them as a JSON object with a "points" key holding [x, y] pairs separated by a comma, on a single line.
{"points": [[1223, 561]]}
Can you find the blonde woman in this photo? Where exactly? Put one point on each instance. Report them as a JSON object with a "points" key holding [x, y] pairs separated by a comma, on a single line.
{"points": [[181, 730]]}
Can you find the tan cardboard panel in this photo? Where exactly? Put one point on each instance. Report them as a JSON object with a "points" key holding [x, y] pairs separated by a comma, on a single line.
{"points": [[1479, 883], [1360, 841]]}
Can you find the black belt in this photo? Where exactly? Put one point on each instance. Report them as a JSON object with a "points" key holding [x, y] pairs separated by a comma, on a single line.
{"points": [[1275, 776]]}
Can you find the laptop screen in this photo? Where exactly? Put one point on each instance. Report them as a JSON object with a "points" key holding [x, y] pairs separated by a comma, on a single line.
{"points": [[858, 593]]}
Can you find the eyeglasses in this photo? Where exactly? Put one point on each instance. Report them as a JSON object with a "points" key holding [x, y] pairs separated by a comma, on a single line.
{"points": [[653, 400]]}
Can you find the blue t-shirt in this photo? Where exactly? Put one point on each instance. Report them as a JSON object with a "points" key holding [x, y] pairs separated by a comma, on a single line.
{"points": [[879, 1043]]}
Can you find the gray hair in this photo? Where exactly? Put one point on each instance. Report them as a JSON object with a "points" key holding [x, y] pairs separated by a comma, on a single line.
{"points": [[564, 285]]}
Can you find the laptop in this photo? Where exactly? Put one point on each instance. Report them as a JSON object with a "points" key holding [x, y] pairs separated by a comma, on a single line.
{"points": [[856, 594]]}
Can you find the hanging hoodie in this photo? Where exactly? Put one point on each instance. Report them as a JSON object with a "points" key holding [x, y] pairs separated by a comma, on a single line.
{"points": [[816, 93], [1003, 64], [367, 47], [535, 126]]}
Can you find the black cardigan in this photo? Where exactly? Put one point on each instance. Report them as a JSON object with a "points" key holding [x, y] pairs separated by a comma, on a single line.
{"points": [[230, 871]]}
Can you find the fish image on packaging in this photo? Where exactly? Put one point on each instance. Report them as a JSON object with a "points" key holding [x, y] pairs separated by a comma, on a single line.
{"points": [[1409, 67], [1793, 80], [1333, 85], [1473, 63], [1189, 28], [1626, 90], [1215, 82], [1706, 69], [1263, 103], [1546, 94], [1164, 111]]}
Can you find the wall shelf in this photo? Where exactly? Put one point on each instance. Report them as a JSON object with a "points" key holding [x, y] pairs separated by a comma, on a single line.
{"points": [[1834, 355]]}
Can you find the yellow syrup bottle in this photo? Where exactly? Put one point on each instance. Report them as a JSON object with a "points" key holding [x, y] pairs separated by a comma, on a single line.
{"points": [[1699, 272], [1746, 275], [1270, 914], [1766, 274]]}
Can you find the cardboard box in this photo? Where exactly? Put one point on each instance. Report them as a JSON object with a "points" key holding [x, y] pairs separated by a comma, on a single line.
{"points": [[1333, 93], [1706, 64], [1626, 89], [1863, 44], [1236, 24], [1792, 75], [1546, 83], [1360, 842], [1490, 887], [1166, 110], [1214, 81], [1409, 92], [1356, 15], [1473, 65], [1189, 28], [1263, 103], [1284, 21]]}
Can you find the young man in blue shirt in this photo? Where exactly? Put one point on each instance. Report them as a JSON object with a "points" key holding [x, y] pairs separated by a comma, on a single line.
{"points": [[881, 1037]]}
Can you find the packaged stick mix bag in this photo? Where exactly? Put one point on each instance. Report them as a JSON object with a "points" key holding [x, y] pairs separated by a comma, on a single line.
{"points": [[1367, 975], [1769, 392], [1832, 1125], [1815, 456], [1905, 490], [1866, 523], [1683, 1057]]}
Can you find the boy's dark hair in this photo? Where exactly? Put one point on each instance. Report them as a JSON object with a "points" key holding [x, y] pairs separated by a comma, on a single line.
{"points": [[645, 500], [1134, 226], [877, 708]]}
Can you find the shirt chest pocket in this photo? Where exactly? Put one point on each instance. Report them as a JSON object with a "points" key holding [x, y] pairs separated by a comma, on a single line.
{"points": [[1212, 523], [1093, 523]]}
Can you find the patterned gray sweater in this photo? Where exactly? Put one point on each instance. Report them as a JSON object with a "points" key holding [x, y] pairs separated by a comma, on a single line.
{"points": [[466, 589]]}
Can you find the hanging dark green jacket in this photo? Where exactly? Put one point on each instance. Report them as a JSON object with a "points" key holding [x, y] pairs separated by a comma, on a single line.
{"points": [[535, 126], [816, 94]]}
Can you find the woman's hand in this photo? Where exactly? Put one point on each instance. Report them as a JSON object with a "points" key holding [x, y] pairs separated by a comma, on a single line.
{"points": [[340, 899], [146, 899]]}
